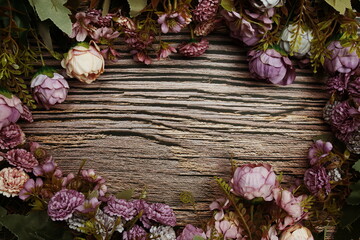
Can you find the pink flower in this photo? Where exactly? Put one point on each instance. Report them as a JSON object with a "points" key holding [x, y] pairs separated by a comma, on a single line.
{"points": [[135, 233], [104, 33], [120, 208], [31, 187], [22, 159], [341, 59], [12, 180], [254, 181], [49, 89], [270, 65], [11, 136], [220, 204], [205, 10], [171, 22], [141, 56], [297, 232], [189, 232], [229, 229], [81, 27], [10, 109], [161, 213], [89, 205], [193, 49], [48, 167], [318, 151], [165, 50], [271, 234]]}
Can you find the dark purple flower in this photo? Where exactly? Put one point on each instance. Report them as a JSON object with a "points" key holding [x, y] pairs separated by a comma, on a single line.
{"points": [[31, 187], [341, 59], [338, 83], [193, 49], [171, 22], [189, 232], [161, 213], [343, 118], [317, 180], [22, 159], [64, 203], [270, 65], [205, 10], [135, 233], [11, 136], [120, 208], [319, 150], [354, 87]]}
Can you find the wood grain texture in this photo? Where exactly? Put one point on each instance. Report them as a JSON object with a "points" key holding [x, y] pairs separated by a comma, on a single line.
{"points": [[172, 126]]}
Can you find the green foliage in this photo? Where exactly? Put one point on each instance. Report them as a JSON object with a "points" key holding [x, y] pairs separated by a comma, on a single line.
{"points": [[126, 194], [228, 5], [340, 5], [354, 197], [55, 11], [36, 225], [198, 238], [136, 6], [356, 166]]}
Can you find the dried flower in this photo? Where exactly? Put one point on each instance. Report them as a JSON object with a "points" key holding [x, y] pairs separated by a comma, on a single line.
{"points": [[141, 56], [162, 233], [12, 180], [135, 233], [270, 65], [205, 10], [89, 205], [84, 62], [271, 234], [64, 203], [341, 59], [26, 115], [161, 213], [120, 208], [10, 109], [165, 50], [297, 232], [254, 180], [81, 27], [21, 159], [11, 136], [31, 187], [296, 40], [229, 229], [104, 34], [189, 232], [49, 88], [141, 206], [193, 48], [343, 118], [354, 87], [317, 180], [205, 28], [266, 4], [319, 150], [171, 22], [220, 204], [48, 167], [338, 83]]}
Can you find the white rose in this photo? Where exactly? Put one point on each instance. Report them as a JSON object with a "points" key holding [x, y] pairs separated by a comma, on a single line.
{"points": [[297, 232], [296, 42], [84, 62], [266, 4]]}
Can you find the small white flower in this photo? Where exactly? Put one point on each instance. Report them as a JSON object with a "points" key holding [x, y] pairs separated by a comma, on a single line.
{"points": [[162, 233], [296, 41], [266, 4]]}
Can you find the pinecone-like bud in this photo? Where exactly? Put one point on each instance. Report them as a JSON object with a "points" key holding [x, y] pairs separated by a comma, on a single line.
{"points": [[205, 10], [354, 143], [204, 28], [328, 109], [193, 49]]}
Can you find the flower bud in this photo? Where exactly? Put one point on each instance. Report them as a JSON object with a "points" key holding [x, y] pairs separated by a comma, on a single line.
{"points": [[296, 232], [296, 41], [84, 62], [10, 109]]}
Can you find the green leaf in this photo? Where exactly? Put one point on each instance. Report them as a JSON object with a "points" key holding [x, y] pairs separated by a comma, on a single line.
{"points": [[136, 6], [356, 166], [55, 11], [198, 238], [340, 5], [36, 226], [350, 214], [228, 5], [126, 194], [44, 31], [354, 197]]}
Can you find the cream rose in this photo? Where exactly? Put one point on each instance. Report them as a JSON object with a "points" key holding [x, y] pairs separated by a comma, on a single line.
{"points": [[297, 232], [84, 62]]}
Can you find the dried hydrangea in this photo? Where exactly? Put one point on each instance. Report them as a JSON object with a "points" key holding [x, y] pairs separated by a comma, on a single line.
{"points": [[120, 208], [338, 83], [205, 10], [193, 48], [162, 233], [161, 213], [11, 136], [317, 180], [135, 233], [343, 118], [12, 180], [22, 159]]}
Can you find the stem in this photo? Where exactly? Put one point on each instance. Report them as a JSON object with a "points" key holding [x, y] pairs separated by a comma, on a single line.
{"points": [[10, 17], [252, 212], [41, 56]]}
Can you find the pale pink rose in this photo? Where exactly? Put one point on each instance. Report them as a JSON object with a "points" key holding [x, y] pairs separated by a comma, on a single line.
{"points": [[297, 232], [12, 181], [10, 109], [228, 229], [254, 181]]}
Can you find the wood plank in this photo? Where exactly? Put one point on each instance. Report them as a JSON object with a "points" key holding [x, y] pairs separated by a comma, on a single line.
{"points": [[172, 126]]}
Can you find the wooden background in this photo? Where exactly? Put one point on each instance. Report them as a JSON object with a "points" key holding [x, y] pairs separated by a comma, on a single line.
{"points": [[172, 126]]}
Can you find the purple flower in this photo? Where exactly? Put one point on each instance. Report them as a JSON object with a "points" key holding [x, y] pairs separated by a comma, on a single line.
{"points": [[317, 180], [49, 89], [161, 213], [141, 206], [104, 33], [318, 151], [343, 118], [338, 83], [193, 49], [205, 10], [135, 233], [64, 203], [31, 187], [81, 27], [354, 87], [220, 204], [165, 50], [171, 22], [341, 59], [21, 159], [189, 232], [270, 65], [89, 205], [254, 180], [11, 136], [229, 229], [45, 168], [120, 208], [10, 109]]}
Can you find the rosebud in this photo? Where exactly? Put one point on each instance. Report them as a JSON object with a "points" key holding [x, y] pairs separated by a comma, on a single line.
{"points": [[296, 40], [10, 109], [297, 232], [49, 88], [84, 62]]}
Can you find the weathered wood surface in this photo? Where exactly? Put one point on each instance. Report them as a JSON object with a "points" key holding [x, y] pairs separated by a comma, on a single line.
{"points": [[172, 126]]}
